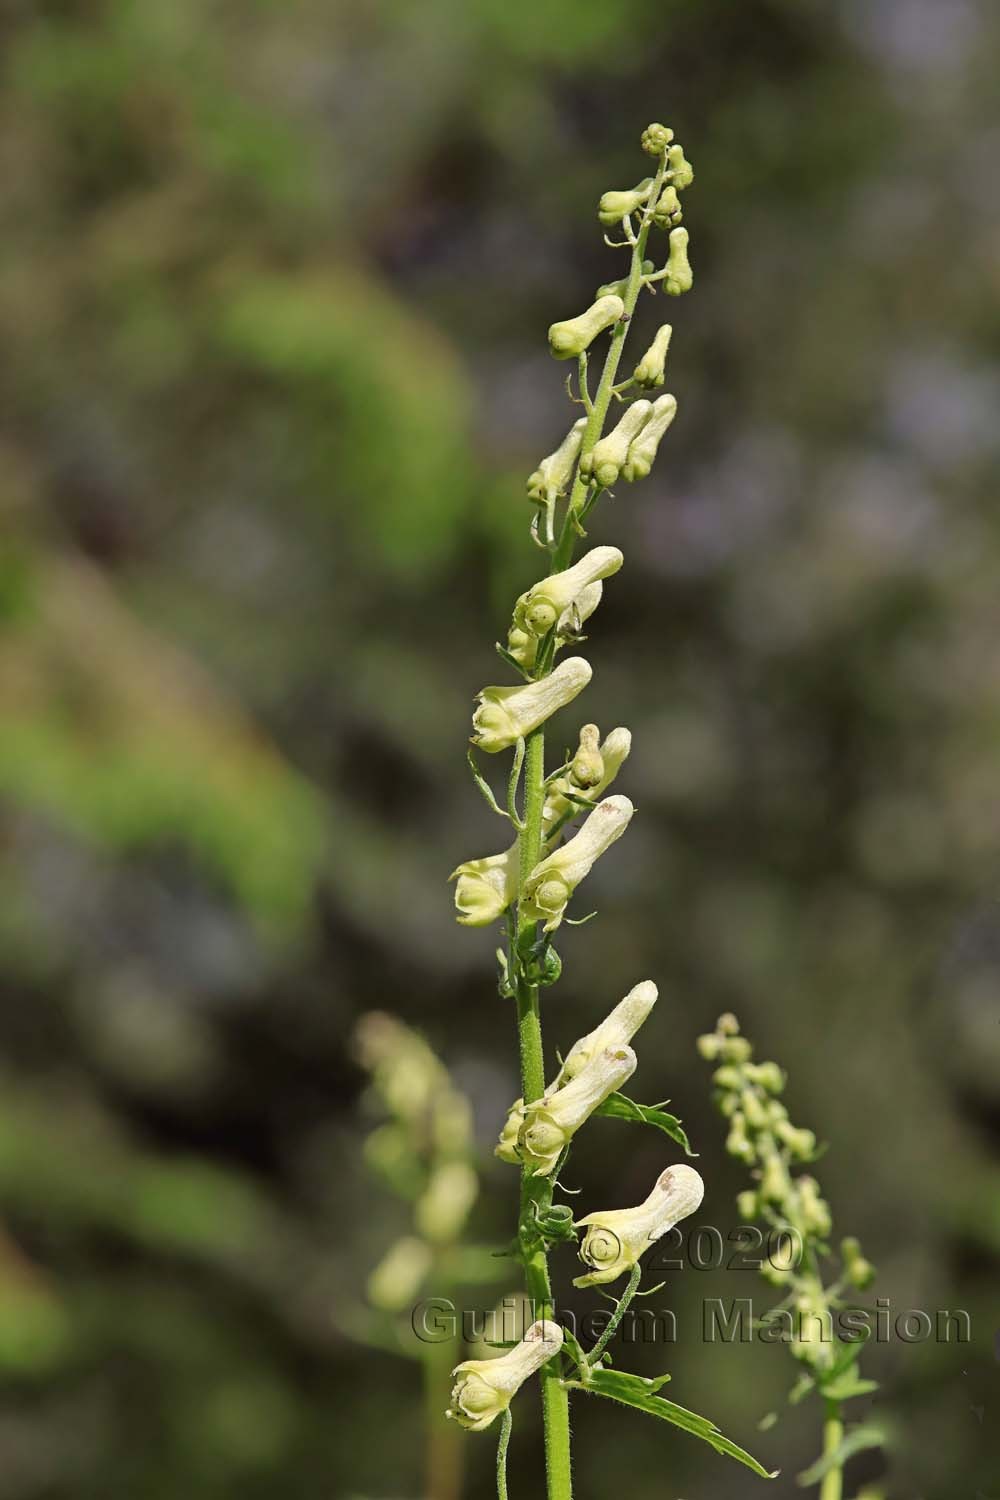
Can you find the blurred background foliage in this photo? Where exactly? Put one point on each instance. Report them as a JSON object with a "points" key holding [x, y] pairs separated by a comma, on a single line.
{"points": [[275, 281]]}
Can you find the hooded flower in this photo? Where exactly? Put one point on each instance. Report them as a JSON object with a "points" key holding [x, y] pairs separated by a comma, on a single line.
{"points": [[603, 463], [551, 1122], [545, 602], [642, 451], [486, 887], [485, 1387], [614, 1033], [523, 645], [616, 1238], [553, 881], [505, 714], [679, 277]]}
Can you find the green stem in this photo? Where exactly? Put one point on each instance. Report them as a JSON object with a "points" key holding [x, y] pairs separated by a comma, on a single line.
{"points": [[506, 1423], [616, 1317], [537, 1191], [833, 1436]]}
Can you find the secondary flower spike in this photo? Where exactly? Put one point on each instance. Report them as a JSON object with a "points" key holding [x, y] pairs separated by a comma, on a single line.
{"points": [[604, 461], [485, 888], [551, 1122], [642, 451], [616, 1238], [570, 338], [506, 714], [552, 882], [485, 1387], [540, 608]]}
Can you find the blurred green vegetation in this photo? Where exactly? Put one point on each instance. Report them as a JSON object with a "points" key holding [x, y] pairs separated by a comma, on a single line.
{"points": [[275, 280]]}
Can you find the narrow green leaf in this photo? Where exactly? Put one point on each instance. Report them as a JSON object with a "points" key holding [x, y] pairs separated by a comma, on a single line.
{"points": [[619, 1107], [857, 1440], [633, 1390], [848, 1385]]}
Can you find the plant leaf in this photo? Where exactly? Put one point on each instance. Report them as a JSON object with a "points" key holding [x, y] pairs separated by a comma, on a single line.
{"points": [[619, 1107], [855, 1441], [633, 1390]]}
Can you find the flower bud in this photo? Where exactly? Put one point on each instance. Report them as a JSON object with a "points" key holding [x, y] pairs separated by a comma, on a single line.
{"points": [[506, 1146], [570, 338], [553, 881], [614, 206], [616, 1030], [603, 463], [738, 1143], [681, 170], [655, 139], [667, 209], [774, 1182], [801, 1143], [485, 1387], [735, 1049], [486, 887], [642, 450], [398, 1277], [649, 371], [814, 1210], [708, 1046], [443, 1207], [545, 603], [619, 288], [679, 277], [768, 1075], [551, 479], [754, 1109], [616, 1238], [505, 714], [727, 1077], [859, 1271], [587, 768], [551, 1122], [614, 752], [746, 1204]]}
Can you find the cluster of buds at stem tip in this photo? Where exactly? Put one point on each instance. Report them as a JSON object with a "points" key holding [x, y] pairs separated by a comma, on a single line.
{"points": [[572, 337], [550, 1123], [506, 714], [545, 603], [613, 1034], [484, 1388], [551, 883], [616, 1238]]}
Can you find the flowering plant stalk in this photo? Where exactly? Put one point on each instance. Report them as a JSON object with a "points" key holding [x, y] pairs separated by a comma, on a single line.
{"points": [[763, 1137], [529, 886]]}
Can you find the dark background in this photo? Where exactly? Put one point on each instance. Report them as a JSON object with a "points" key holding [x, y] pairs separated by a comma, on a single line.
{"points": [[275, 284]]}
